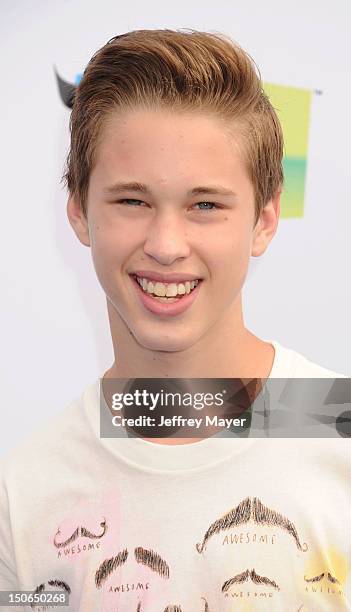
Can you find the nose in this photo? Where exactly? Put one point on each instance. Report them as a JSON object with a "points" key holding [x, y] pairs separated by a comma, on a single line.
{"points": [[166, 239]]}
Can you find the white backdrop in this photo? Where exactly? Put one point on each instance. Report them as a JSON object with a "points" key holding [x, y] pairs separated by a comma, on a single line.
{"points": [[54, 327]]}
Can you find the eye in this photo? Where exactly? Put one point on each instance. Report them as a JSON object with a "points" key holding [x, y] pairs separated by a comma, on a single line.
{"points": [[209, 205], [134, 202], [131, 201]]}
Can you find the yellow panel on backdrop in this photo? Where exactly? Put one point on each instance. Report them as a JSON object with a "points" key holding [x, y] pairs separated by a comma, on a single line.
{"points": [[293, 108]]}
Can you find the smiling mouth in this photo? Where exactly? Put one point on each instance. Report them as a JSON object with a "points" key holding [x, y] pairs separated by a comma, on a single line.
{"points": [[166, 292]]}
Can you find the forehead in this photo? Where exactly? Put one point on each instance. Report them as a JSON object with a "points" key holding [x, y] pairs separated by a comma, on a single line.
{"points": [[165, 146]]}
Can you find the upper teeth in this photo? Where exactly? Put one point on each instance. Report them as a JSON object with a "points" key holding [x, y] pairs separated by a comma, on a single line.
{"points": [[166, 289]]}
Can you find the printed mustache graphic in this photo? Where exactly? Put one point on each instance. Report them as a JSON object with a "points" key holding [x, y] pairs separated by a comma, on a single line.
{"points": [[331, 578], [168, 609], [149, 558], [251, 509], [172, 608], [60, 584], [80, 531], [249, 575]]}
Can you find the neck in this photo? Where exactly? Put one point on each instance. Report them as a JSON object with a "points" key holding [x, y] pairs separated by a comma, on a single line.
{"points": [[227, 350]]}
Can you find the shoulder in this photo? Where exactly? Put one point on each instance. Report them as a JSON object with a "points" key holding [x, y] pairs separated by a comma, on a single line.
{"points": [[289, 363]]}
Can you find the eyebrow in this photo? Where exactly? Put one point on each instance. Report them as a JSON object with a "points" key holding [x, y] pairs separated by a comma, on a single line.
{"points": [[142, 188]]}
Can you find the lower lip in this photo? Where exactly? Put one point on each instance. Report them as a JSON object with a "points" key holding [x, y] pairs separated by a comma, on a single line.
{"points": [[162, 308]]}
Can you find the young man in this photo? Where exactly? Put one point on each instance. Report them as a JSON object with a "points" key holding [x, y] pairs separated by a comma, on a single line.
{"points": [[174, 177]]}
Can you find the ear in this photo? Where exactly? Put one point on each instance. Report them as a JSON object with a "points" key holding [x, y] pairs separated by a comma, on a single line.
{"points": [[78, 220], [266, 226]]}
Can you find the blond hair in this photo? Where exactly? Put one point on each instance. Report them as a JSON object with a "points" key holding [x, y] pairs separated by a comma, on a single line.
{"points": [[189, 70]]}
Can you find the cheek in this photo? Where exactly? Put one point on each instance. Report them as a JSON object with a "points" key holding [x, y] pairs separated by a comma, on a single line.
{"points": [[110, 246], [107, 254], [229, 254]]}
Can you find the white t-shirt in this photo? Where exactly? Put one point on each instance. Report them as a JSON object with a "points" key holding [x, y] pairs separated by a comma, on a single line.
{"points": [[126, 525]]}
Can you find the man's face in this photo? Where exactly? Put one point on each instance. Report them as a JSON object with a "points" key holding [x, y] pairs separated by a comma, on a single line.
{"points": [[165, 228]]}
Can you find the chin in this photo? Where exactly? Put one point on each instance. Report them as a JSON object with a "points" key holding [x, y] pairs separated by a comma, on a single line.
{"points": [[170, 343]]}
